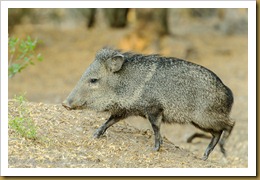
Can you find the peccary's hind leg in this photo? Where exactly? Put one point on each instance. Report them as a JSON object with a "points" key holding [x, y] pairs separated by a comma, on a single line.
{"points": [[223, 139], [111, 120], [197, 135], [155, 119], [212, 144]]}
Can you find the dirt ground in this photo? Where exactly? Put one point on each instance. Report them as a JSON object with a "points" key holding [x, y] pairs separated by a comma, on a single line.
{"points": [[64, 138]]}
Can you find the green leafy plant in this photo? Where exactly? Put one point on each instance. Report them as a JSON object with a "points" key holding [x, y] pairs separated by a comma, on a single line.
{"points": [[21, 54], [23, 123]]}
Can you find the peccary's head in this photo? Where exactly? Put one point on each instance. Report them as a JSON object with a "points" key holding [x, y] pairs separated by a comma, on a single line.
{"points": [[96, 88]]}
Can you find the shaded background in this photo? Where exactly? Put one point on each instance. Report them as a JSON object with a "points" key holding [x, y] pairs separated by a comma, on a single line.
{"points": [[69, 39], [214, 38]]}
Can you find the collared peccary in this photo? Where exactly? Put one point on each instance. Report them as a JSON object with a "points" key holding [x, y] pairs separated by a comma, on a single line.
{"points": [[161, 89]]}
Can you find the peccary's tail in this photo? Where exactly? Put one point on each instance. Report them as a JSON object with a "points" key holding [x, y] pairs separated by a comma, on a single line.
{"points": [[226, 133]]}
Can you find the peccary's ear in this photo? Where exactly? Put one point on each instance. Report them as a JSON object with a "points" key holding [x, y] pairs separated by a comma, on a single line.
{"points": [[115, 63]]}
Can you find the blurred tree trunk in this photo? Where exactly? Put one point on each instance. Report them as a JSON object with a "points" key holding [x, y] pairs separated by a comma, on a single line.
{"points": [[15, 16], [202, 12], [116, 17], [151, 25], [152, 20], [89, 14]]}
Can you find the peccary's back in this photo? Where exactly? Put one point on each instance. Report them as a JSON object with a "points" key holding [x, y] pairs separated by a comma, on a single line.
{"points": [[187, 92]]}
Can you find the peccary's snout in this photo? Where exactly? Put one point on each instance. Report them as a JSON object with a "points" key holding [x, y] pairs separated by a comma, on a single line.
{"points": [[67, 105], [72, 104]]}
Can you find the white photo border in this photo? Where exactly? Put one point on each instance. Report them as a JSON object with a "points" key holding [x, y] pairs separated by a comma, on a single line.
{"points": [[250, 171]]}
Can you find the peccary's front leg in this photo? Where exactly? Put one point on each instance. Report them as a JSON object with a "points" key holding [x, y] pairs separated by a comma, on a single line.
{"points": [[111, 120], [155, 119]]}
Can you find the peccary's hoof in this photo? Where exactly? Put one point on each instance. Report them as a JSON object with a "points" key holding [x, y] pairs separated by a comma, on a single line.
{"points": [[204, 158], [97, 134], [189, 140], [156, 148], [158, 143]]}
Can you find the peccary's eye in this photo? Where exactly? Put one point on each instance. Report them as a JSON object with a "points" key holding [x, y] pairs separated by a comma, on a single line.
{"points": [[93, 80]]}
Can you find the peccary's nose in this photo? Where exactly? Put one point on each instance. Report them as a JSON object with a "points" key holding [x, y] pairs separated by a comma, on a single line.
{"points": [[66, 104]]}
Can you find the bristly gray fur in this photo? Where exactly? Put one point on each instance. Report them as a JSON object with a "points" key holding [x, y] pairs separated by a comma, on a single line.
{"points": [[162, 89]]}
